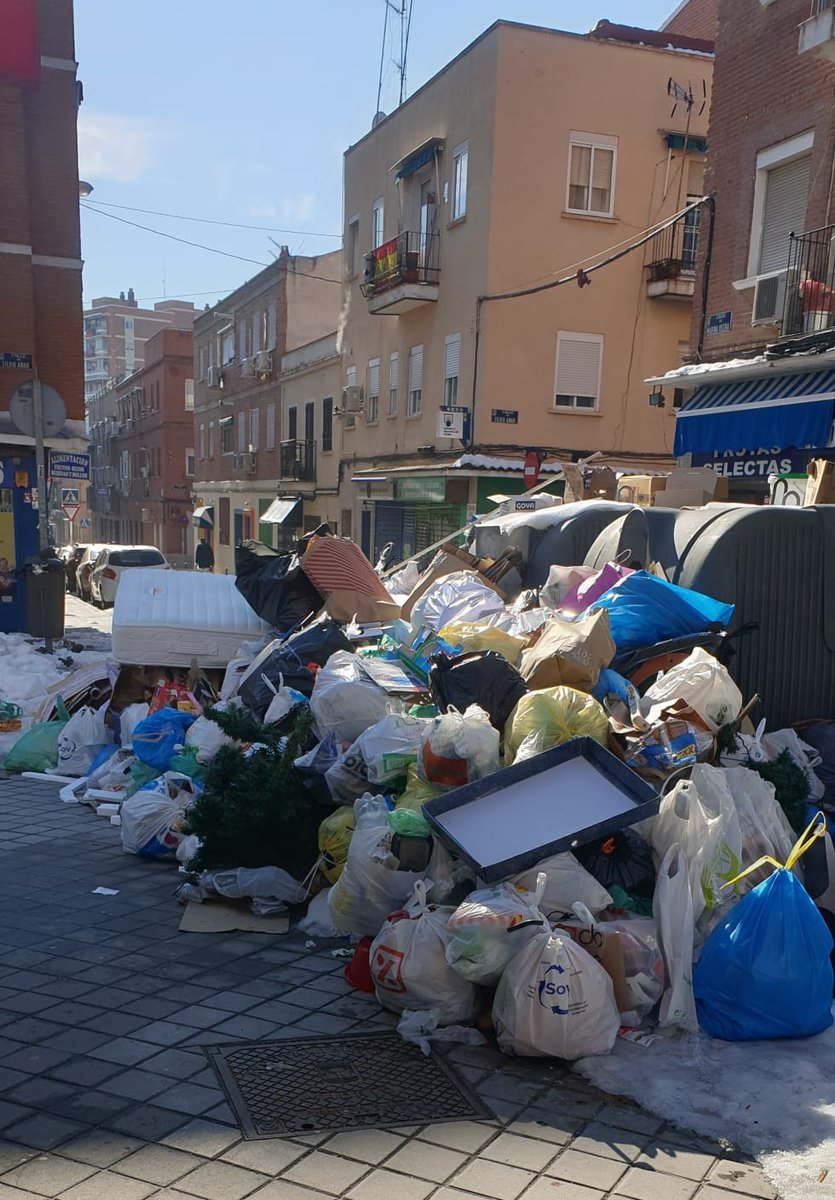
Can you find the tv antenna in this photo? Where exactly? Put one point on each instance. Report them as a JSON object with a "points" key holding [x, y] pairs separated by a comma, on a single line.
{"points": [[401, 11], [685, 96]]}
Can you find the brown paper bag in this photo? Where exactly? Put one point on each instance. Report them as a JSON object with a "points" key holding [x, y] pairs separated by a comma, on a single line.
{"points": [[569, 652]]}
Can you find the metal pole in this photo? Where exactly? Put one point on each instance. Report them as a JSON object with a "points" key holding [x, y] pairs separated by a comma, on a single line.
{"points": [[40, 475]]}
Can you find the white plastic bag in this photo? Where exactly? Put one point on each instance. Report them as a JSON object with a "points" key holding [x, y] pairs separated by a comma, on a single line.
{"points": [[371, 885], [424, 1027], [489, 929], [129, 718], [187, 849], [256, 883], [763, 824], [404, 581], [556, 1002], [81, 740], [345, 700], [409, 968], [316, 921], [391, 745], [457, 598], [700, 816], [703, 683], [206, 737], [459, 748], [566, 883], [153, 818], [672, 907]]}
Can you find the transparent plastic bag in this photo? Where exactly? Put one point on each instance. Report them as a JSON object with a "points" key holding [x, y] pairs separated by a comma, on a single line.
{"points": [[555, 716], [490, 928], [704, 684], [459, 748], [566, 884], [345, 701]]}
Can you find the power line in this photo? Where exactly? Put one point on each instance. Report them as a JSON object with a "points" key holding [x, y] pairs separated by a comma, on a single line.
{"points": [[151, 212]]}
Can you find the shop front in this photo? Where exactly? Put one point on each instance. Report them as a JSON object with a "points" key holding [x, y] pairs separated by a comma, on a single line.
{"points": [[18, 535], [424, 511]]}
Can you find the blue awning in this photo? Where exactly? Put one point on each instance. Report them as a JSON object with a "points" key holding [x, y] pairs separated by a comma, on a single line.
{"points": [[778, 410], [418, 158]]}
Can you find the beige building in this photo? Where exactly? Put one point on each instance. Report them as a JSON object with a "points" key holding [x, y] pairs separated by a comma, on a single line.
{"points": [[532, 154], [238, 350]]}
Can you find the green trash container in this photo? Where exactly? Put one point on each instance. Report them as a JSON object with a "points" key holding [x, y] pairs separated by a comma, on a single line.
{"points": [[44, 591]]}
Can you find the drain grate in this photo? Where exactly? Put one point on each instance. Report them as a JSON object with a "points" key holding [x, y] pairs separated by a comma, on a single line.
{"points": [[333, 1084]]}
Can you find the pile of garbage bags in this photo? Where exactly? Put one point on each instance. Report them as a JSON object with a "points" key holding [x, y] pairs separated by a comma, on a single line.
{"points": [[385, 711]]}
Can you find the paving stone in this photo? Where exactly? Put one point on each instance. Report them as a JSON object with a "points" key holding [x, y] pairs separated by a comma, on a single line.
{"points": [[591, 1170], [426, 1161], [47, 1174], [557, 1189], [245, 1027], [126, 1052], [270, 1156], [100, 1147], [747, 1178], [383, 1185], [92, 1107], [13, 1156], [206, 1138], [43, 1131], [282, 1189], [189, 1098], [517, 1151], [40, 1092], [76, 1041], [30, 1030], [690, 1164], [147, 1122], [136, 1084], [366, 1145], [640, 1184], [627, 1117], [150, 1007], [118, 1024], [108, 1186], [493, 1180], [329, 1173], [177, 1064], [158, 1164], [545, 1126], [87, 1072], [222, 1181], [466, 1136]]}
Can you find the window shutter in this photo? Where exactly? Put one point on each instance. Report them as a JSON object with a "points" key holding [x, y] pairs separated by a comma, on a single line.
{"points": [[452, 355], [272, 331], [351, 377], [271, 427], [394, 369], [374, 377], [416, 369], [578, 366], [241, 432], [787, 192]]}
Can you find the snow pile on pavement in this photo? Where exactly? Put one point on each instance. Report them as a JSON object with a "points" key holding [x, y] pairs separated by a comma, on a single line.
{"points": [[774, 1100]]}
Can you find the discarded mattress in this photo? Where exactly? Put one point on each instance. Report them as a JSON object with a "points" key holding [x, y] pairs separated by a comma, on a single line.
{"points": [[170, 618]]}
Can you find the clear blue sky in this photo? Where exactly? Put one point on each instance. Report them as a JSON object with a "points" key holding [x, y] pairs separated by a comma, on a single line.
{"points": [[241, 112]]}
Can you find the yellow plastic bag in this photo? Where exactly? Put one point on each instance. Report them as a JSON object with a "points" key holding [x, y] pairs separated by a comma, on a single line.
{"points": [[473, 636], [335, 835], [552, 716], [416, 792]]}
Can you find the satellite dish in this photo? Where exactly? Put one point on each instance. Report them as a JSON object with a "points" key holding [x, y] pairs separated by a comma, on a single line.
{"points": [[378, 117], [22, 410]]}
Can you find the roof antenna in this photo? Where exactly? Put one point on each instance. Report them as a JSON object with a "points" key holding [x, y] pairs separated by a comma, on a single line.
{"points": [[684, 95]]}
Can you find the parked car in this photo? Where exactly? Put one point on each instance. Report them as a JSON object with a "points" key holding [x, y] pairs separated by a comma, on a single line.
{"points": [[85, 566], [112, 561]]}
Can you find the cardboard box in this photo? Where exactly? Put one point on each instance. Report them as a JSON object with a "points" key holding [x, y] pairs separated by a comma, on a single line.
{"points": [[820, 487], [682, 498], [690, 487], [641, 489]]}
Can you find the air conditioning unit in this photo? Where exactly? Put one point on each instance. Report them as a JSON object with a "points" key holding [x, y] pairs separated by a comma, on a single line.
{"points": [[769, 298], [245, 464], [352, 399], [264, 362], [214, 377], [248, 367]]}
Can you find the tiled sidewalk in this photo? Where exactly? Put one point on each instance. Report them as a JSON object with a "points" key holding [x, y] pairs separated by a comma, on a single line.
{"points": [[105, 1093]]}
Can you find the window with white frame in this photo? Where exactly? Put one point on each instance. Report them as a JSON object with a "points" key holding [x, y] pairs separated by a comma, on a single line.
{"points": [[227, 347], [241, 341], [577, 374], [353, 257], [372, 404], [211, 446], [591, 174], [460, 166], [378, 221], [256, 332], [414, 404], [452, 360], [226, 446], [781, 193], [254, 428], [350, 381], [201, 363], [189, 395], [394, 379], [271, 427], [190, 469], [240, 421]]}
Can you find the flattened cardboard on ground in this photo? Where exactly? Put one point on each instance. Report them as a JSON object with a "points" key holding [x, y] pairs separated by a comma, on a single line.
{"points": [[217, 916], [566, 797]]}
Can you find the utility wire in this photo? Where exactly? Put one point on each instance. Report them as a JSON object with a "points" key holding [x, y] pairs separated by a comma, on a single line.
{"points": [[151, 212]]}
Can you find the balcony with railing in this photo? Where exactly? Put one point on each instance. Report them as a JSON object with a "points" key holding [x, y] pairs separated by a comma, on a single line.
{"points": [[297, 460], [809, 305], [402, 273], [671, 269], [817, 33]]}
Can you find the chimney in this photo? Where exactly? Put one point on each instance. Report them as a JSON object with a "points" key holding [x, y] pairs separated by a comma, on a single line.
{"points": [[131, 297], [121, 296]]}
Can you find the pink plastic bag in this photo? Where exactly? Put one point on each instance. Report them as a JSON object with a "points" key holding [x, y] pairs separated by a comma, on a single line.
{"points": [[591, 589]]}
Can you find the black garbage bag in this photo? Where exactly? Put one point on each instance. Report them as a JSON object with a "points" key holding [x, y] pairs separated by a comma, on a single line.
{"points": [[289, 660], [273, 584], [623, 859], [482, 677]]}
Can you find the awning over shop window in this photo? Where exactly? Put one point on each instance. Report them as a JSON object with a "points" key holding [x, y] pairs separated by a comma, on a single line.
{"points": [[204, 517], [418, 158], [280, 512], [780, 410]]}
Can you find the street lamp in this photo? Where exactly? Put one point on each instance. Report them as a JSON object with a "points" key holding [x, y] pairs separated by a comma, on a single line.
{"points": [[84, 188]]}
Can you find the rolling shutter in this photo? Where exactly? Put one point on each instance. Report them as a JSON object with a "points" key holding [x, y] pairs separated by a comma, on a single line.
{"points": [[786, 196]]}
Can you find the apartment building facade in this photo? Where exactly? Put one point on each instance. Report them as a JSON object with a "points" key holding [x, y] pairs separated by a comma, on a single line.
{"points": [[762, 400], [531, 155], [238, 348], [116, 330]]}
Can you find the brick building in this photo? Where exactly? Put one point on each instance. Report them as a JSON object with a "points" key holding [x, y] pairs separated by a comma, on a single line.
{"points": [[238, 348], [694, 18], [142, 441], [116, 330], [766, 273]]}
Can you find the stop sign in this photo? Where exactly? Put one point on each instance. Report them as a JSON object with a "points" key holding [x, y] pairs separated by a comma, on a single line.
{"points": [[531, 475]]}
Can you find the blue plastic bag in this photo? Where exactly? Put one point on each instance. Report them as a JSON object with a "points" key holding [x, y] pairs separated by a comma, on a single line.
{"points": [[644, 609], [765, 972], [155, 738]]}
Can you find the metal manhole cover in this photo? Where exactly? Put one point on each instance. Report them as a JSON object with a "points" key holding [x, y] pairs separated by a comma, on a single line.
{"points": [[333, 1084]]}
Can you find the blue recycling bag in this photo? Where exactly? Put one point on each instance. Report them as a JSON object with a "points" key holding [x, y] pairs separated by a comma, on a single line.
{"points": [[644, 609], [156, 737], [765, 972]]}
